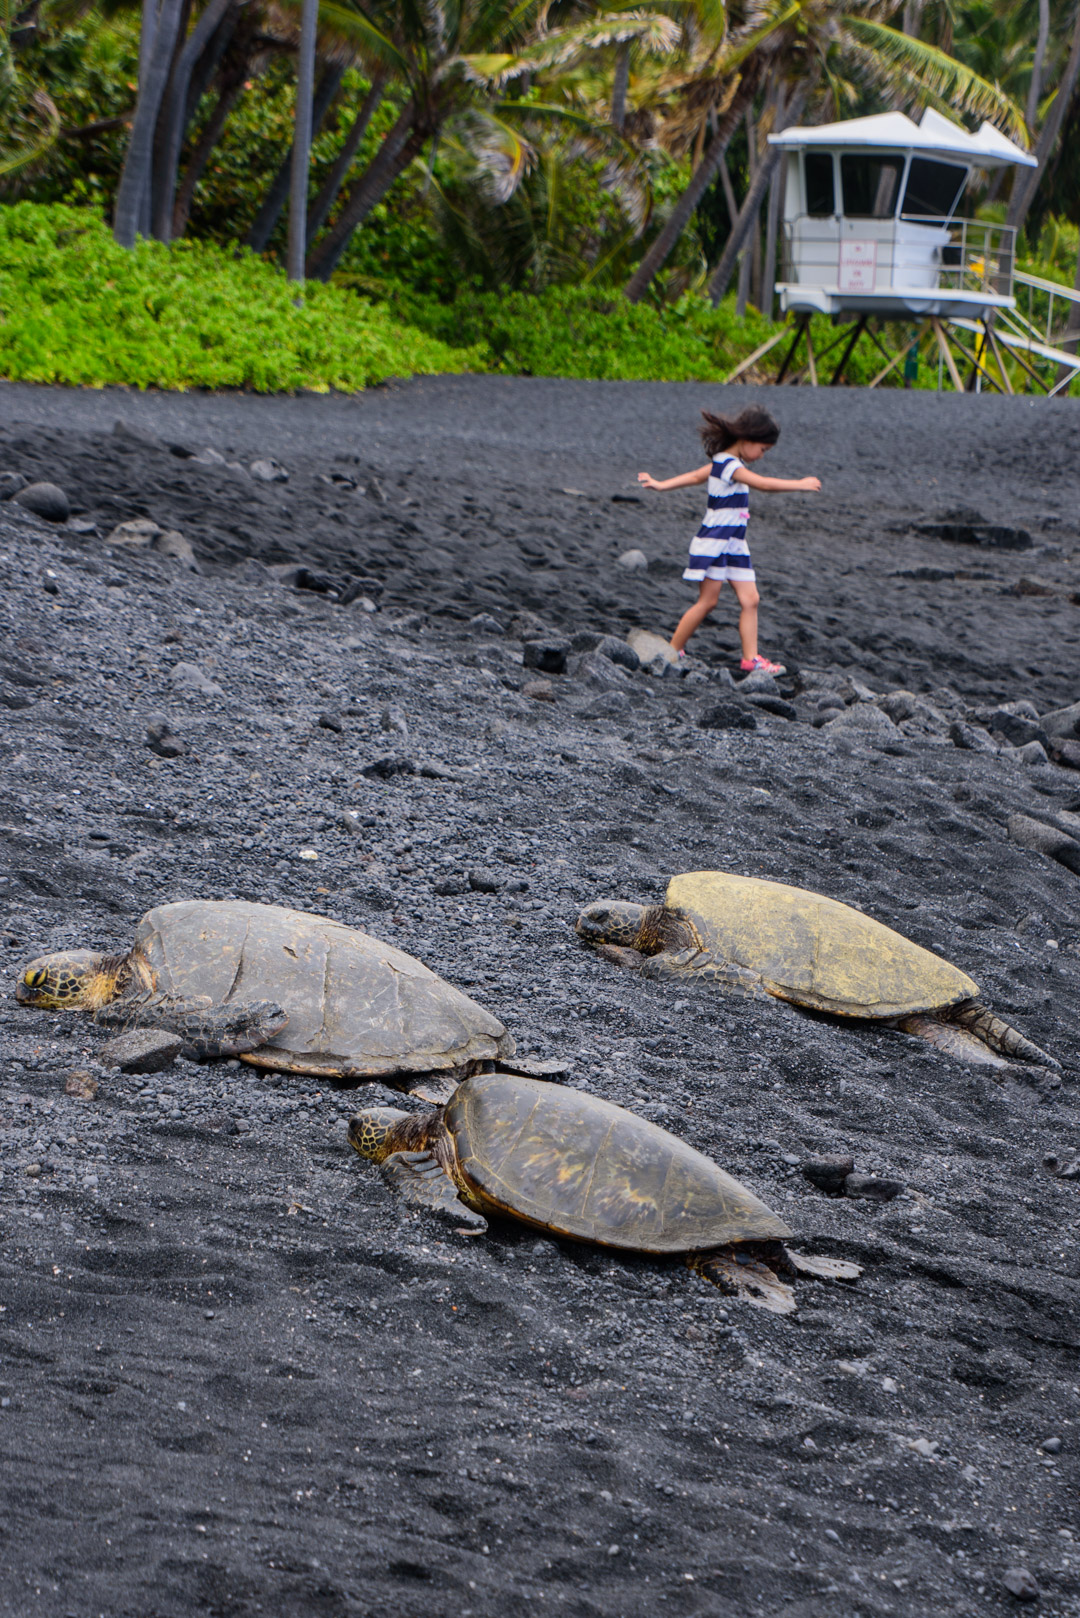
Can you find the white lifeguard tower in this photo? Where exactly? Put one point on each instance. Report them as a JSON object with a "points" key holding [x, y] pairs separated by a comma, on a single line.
{"points": [[871, 233]]}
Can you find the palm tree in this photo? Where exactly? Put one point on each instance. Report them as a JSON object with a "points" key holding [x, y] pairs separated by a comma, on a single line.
{"points": [[452, 61], [1027, 181], [817, 50]]}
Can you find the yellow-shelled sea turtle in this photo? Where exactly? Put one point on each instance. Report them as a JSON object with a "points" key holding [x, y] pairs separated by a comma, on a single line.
{"points": [[580, 1167], [760, 938], [281, 989]]}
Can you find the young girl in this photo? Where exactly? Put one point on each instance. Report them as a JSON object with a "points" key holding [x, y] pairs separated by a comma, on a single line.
{"points": [[719, 550]]}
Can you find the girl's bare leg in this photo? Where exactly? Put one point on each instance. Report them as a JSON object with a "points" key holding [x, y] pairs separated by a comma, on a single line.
{"points": [[708, 595], [746, 594]]}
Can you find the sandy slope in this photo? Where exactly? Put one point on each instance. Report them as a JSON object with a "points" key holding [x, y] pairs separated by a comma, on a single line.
{"points": [[235, 1378]]}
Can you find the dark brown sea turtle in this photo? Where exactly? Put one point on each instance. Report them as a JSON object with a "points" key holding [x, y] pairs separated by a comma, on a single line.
{"points": [[580, 1167], [281, 989], [759, 938]]}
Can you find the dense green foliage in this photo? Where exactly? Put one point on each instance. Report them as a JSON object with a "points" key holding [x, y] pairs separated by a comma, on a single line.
{"points": [[451, 269], [76, 308], [580, 332]]}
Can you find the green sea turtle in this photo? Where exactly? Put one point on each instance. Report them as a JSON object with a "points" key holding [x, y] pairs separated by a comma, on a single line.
{"points": [[281, 989], [760, 938], [580, 1167]]}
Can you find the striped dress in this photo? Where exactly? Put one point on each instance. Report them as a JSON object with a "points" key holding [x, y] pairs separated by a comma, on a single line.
{"points": [[719, 550]]}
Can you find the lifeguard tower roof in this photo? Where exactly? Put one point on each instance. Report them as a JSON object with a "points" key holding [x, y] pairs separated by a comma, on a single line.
{"points": [[871, 224], [934, 137]]}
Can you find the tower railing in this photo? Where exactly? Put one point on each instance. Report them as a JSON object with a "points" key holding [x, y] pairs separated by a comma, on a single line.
{"points": [[912, 251]]}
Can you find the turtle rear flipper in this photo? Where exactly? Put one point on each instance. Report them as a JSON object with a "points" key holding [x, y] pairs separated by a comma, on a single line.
{"points": [[748, 1279], [420, 1179], [972, 1033], [210, 1033], [1000, 1037], [433, 1087]]}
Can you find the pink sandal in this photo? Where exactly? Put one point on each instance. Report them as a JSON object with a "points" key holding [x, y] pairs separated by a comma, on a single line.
{"points": [[752, 665]]}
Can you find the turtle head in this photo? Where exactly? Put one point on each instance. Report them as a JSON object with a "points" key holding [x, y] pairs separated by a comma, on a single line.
{"points": [[375, 1133], [73, 980], [611, 921]]}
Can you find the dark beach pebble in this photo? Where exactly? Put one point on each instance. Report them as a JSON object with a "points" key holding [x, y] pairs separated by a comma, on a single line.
{"points": [[391, 764], [872, 1188], [548, 655], [1021, 1584], [729, 715], [1043, 839], [485, 881], [161, 740], [45, 500], [829, 1173]]}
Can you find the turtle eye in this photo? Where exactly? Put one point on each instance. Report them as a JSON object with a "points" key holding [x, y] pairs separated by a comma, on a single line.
{"points": [[35, 977]]}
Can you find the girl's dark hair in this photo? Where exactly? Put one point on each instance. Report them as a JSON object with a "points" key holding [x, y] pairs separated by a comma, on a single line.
{"points": [[752, 425]]}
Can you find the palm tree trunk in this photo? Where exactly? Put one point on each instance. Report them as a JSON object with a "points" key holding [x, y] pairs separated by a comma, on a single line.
{"points": [[397, 151], [301, 152], [134, 187], [728, 188], [344, 161], [679, 218], [766, 287], [173, 117], [752, 202], [146, 46], [208, 63], [772, 232], [268, 215], [1038, 62], [215, 124], [619, 86], [746, 262], [1027, 181]]}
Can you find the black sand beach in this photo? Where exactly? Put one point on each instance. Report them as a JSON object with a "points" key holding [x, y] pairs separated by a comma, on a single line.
{"points": [[235, 1377]]}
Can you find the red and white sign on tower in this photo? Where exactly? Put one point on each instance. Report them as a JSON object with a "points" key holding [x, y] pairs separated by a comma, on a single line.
{"points": [[858, 266]]}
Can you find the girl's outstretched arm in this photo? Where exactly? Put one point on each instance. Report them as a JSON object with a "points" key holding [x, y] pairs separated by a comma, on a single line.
{"points": [[754, 480], [683, 481]]}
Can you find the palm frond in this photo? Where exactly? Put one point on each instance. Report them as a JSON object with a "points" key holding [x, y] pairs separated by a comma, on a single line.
{"points": [[38, 109], [499, 152], [925, 69], [650, 30], [370, 42]]}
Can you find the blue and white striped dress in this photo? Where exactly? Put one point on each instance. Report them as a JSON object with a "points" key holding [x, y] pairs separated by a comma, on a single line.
{"points": [[719, 550]]}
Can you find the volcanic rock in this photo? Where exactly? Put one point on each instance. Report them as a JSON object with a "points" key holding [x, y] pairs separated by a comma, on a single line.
{"points": [[45, 500]]}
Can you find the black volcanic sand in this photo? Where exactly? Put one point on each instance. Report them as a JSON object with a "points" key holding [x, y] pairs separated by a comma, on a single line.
{"points": [[235, 1377]]}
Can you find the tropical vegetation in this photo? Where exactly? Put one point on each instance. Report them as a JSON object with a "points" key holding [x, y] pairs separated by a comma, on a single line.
{"points": [[576, 187]]}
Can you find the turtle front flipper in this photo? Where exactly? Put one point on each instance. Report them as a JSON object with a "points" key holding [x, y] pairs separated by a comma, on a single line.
{"points": [[745, 1278], [622, 955], [210, 1033], [823, 1269], [421, 1180]]}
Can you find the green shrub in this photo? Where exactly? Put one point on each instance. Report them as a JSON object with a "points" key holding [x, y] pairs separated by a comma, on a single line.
{"points": [[75, 308], [582, 332]]}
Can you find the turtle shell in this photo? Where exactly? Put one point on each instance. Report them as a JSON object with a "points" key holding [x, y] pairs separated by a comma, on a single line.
{"points": [[815, 951], [358, 1008], [582, 1167]]}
